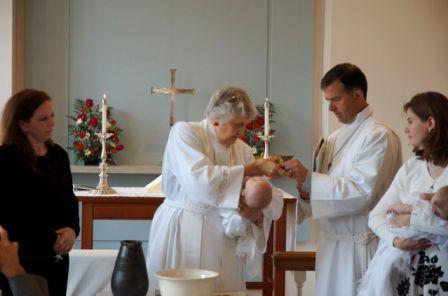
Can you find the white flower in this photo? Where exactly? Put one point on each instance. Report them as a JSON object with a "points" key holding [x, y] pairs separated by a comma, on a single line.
{"points": [[254, 150], [79, 121], [87, 152], [87, 135]]}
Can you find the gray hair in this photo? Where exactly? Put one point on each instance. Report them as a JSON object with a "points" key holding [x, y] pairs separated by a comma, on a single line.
{"points": [[229, 102]]}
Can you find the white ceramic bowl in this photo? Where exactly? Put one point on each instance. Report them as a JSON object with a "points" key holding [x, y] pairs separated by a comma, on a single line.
{"points": [[186, 282]]}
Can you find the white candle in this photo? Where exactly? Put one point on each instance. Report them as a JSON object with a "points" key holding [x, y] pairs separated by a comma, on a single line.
{"points": [[104, 115], [266, 128], [266, 117]]}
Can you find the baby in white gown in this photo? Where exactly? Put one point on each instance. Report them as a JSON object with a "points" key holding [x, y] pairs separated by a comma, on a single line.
{"points": [[256, 195], [431, 219]]}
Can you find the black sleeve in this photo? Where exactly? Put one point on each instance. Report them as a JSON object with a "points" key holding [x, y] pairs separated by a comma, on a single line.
{"points": [[8, 184], [72, 218]]}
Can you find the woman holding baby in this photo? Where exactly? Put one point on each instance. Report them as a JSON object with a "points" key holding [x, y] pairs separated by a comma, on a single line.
{"points": [[204, 167], [419, 178]]}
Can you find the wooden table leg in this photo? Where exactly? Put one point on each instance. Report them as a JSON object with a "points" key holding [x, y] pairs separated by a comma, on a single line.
{"points": [[267, 262], [280, 245], [87, 226]]}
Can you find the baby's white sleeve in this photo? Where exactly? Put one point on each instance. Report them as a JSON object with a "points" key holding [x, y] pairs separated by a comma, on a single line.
{"points": [[423, 219], [233, 224]]}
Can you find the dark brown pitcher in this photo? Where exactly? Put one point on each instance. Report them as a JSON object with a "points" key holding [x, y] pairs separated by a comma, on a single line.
{"points": [[130, 277]]}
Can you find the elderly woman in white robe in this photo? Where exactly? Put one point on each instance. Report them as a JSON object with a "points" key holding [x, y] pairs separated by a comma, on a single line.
{"points": [[203, 169], [426, 172]]}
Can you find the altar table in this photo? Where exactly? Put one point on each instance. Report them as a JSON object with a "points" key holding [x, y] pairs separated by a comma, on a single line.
{"points": [[135, 203]]}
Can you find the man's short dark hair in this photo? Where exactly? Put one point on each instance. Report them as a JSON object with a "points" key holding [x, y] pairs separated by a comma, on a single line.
{"points": [[349, 75]]}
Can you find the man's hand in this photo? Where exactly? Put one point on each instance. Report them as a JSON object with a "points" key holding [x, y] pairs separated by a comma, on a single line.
{"points": [[9, 259], [296, 170], [401, 220], [65, 241], [264, 167], [400, 208], [303, 194], [411, 245]]}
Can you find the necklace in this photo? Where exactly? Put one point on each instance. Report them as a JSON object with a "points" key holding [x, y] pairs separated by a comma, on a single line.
{"points": [[434, 172], [333, 156]]}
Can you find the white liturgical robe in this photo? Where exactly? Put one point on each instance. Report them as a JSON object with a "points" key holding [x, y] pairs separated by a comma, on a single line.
{"points": [[355, 167], [201, 177]]}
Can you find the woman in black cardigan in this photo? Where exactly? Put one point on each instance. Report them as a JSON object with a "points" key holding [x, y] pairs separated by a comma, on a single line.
{"points": [[37, 204]]}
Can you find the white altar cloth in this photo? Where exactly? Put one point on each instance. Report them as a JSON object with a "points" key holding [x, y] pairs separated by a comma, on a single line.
{"points": [[248, 293], [90, 271], [123, 191]]}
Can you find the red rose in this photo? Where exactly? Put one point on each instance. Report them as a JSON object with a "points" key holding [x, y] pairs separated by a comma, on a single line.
{"points": [[108, 112], [82, 135], [113, 150], [80, 146], [244, 138], [93, 122], [257, 138], [113, 122], [83, 117], [250, 126], [89, 102], [120, 147], [257, 126], [260, 120]]}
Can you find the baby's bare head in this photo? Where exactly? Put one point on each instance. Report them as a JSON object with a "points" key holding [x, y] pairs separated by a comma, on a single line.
{"points": [[257, 193], [440, 203]]}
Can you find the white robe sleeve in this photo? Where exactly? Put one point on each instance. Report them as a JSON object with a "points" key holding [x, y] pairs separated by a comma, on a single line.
{"points": [[334, 196], [198, 176], [377, 217]]}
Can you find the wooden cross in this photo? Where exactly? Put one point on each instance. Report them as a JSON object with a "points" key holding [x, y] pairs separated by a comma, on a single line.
{"points": [[172, 91]]}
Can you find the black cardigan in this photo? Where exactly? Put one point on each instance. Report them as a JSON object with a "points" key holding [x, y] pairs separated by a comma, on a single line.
{"points": [[36, 203]]}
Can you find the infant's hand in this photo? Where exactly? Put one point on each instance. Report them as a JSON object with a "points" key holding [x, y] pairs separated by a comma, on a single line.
{"points": [[400, 208], [252, 214], [426, 196], [401, 220]]}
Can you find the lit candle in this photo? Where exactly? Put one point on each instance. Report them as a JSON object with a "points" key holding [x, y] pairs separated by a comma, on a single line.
{"points": [[266, 128], [104, 115]]}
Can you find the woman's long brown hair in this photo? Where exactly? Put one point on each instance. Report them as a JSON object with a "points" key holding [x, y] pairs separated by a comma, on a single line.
{"points": [[435, 145], [21, 106]]}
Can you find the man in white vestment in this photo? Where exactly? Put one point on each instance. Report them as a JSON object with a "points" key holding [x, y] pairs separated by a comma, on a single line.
{"points": [[204, 165], [353, 169]]}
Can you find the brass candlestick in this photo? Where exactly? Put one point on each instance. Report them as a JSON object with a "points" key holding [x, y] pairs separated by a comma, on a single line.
{"points": [[266, 138], [103, 186]]}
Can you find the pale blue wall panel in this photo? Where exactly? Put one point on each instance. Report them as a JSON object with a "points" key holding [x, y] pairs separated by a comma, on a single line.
{"points": [[124, 47]]}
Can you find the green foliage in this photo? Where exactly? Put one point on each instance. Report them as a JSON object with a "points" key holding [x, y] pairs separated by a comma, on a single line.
{"points": [[84, 129], [255, 129]]}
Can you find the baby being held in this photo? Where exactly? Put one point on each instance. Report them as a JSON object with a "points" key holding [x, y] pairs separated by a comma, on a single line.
{"points": [[247, 223], [426, 218], [256, 195], [421, 211]]}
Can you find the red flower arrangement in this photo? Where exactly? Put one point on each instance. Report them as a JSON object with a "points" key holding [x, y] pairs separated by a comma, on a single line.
{"points": [[255, 129], [83, 133]]}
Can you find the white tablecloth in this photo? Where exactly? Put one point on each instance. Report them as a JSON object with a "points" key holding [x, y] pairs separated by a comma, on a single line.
{"points": [[123, 191], [90, 271]]}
